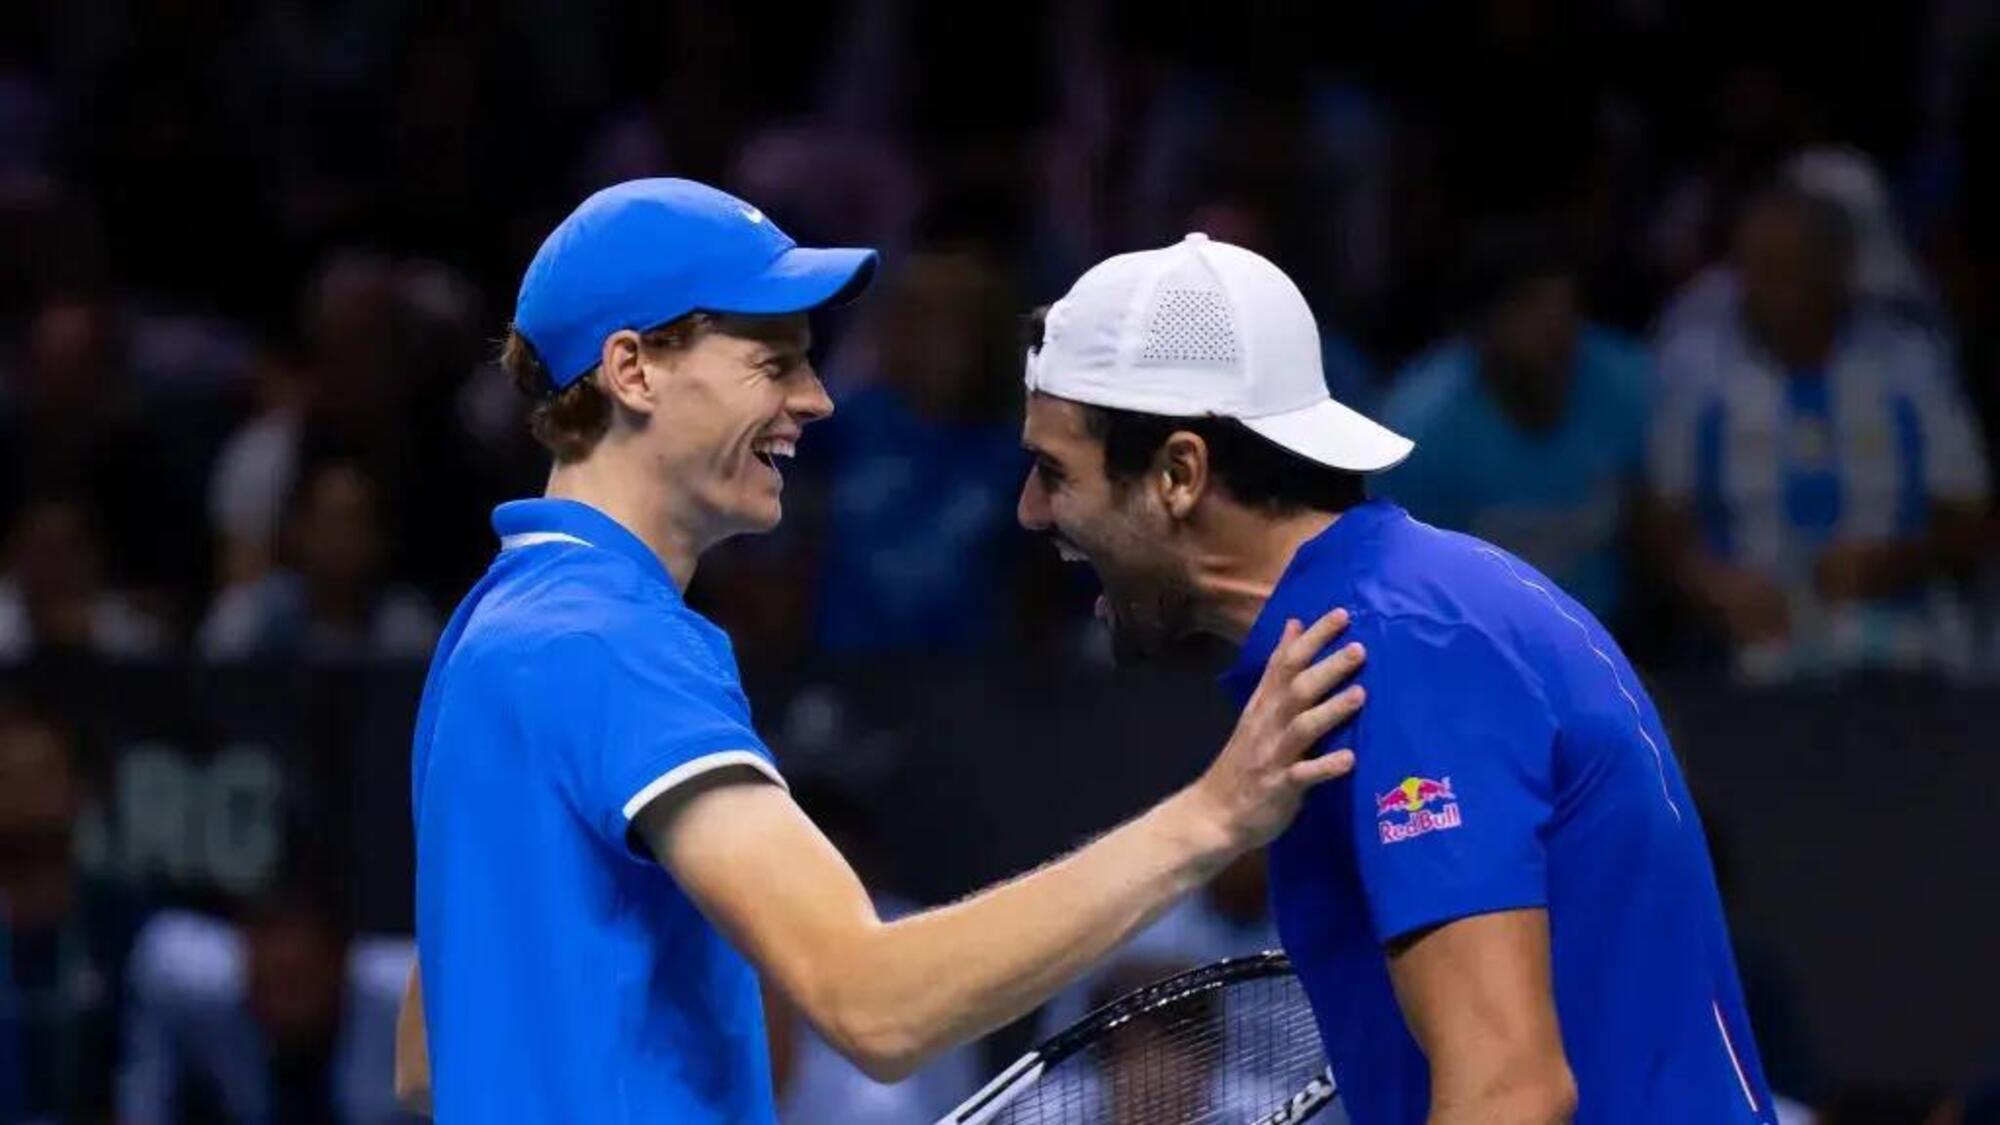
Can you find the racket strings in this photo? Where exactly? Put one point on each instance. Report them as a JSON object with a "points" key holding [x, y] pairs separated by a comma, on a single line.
{"points": [[1224, 1056]]}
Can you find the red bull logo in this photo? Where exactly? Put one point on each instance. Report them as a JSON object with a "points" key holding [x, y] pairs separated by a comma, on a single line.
{"points": [[1417, 806]]}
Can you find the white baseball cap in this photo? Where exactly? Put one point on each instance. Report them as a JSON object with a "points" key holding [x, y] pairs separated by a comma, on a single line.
{"points": [[1203, 328]]}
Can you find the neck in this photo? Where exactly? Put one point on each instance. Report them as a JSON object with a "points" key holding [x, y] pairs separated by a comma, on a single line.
{"points": [[1240, 557], [631, 496]]}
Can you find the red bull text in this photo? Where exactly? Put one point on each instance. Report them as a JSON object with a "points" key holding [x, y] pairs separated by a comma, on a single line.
{"points": [[1417, 806]]}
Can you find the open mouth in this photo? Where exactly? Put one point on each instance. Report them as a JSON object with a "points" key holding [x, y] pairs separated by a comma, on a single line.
{"points": [[771, 450], [1070, 554]]}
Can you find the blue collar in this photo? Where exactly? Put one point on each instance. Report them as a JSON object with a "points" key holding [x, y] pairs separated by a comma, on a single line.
{"points": [[1327, 553], [522, 523]]}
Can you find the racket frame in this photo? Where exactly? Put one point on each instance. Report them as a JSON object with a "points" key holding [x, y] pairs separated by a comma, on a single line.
{"points": [[1025, 1071]]}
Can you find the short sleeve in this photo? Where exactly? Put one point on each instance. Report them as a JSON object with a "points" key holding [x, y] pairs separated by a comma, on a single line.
{"points": [[1453, 784], [633, 715]]}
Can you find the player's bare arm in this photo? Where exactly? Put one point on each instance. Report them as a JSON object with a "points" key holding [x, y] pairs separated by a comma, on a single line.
{"points": [[413, 1059], [888, 995], [1476, 993]]}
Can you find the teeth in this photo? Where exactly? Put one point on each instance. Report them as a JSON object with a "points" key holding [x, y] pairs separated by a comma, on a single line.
{"points": [[777, 447], [1069, 553]]}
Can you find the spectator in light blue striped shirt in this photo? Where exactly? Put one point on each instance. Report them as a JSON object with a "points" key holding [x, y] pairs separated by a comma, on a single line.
{"points": [[1819, 478]]}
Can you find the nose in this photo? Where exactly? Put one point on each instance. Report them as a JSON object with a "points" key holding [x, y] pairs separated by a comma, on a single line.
{"points": [[807, 399], [1033, 508]]}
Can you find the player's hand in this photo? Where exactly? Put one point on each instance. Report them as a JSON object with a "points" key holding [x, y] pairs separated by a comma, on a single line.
{"points": [[1256, 783], [1845, 572], [1753, 607]]}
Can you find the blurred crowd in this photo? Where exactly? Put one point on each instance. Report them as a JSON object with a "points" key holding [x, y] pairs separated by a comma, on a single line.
{"points": [[1706, 334], [1692, 305]]}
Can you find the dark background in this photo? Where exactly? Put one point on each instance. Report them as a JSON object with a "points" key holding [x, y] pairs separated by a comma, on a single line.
{"points": [[257, 256]]}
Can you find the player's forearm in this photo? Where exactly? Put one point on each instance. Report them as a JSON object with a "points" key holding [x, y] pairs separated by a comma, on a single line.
{"points": [[923, 983], [889, 995], [1548, 1099]]}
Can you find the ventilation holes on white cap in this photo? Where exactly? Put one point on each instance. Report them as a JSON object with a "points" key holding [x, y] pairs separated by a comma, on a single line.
{"points": [[1189, 326]]}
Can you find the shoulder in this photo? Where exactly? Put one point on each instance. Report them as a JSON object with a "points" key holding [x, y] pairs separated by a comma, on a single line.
{"points": [[1617, 360], [557, 597], [1427, 582], [1470, 665], [1903, 353], [578, 627], [642, 652], [1704, 356]]}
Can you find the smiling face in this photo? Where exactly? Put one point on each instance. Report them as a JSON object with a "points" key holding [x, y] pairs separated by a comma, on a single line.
{"points": [[726, 409], [1123, 530]]}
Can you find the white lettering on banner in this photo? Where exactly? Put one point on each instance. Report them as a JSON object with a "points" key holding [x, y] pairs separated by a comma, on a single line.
{"points": [[151, 817], [208, 820], [240, 818]]}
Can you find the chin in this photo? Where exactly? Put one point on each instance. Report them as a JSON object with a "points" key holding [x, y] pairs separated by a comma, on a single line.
{"points": [[764, 519], [757, 518]]}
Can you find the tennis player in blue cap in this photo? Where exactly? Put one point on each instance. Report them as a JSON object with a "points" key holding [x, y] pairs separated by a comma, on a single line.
{"points": [[605, 846]]}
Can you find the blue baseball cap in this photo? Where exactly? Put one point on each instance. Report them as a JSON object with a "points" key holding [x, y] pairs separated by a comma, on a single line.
{"points": [[639, 254]]}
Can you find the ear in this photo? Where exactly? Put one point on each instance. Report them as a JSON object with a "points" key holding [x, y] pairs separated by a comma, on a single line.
{"points": [[1181, 472], [621, 373]]}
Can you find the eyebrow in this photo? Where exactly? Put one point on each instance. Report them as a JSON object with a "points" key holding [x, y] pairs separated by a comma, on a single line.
{"points": [[788, 352]]}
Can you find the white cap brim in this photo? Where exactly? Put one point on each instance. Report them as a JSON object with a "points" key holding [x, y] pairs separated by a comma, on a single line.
{"points": [[1336, 436]]}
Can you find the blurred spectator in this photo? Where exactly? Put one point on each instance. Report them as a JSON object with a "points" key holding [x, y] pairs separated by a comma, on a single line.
{"points": [[1883, 271], [255, 467], [73, 425], [286, 1018], [1530, 427], [387, 346], [924, 463], [1819, 476], [1882, 268], [334, 598], [52, 596], [63, 938]]}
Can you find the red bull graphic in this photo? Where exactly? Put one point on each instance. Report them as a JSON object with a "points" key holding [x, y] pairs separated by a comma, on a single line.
{"points": [[1417, 806]]}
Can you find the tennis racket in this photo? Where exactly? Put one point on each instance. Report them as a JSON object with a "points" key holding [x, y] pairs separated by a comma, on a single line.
{"points": [[1231, 1043]]}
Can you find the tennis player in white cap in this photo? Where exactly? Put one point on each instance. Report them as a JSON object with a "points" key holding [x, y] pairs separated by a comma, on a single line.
{"points": [[1506, 915]]}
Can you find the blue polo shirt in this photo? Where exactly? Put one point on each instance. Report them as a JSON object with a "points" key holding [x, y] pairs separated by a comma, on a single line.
{"points": [[1508, 758], [566, 975]]}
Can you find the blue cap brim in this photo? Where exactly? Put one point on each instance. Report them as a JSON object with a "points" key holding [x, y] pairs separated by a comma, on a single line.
{"points": [[799, 280]]}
